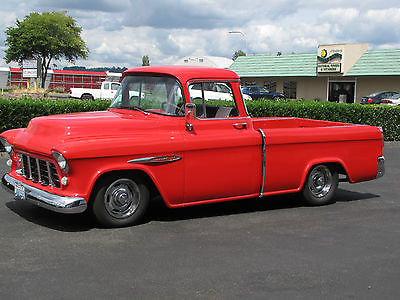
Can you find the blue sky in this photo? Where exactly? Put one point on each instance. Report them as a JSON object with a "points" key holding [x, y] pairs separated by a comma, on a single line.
{"points": [[120, 32]]}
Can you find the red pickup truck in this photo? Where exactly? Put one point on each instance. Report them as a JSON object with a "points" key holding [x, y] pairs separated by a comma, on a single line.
{"points": [[170, 132]]}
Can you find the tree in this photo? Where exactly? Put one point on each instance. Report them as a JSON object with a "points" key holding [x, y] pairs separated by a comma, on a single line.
{"points": [[237, 54], [145, 60], [46, 36]]}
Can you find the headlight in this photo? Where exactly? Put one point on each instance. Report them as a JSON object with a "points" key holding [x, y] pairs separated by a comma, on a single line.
{"points": [[6, 146], [62, 162]]}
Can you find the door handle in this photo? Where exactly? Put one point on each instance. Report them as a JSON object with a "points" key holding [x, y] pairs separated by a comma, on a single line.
{"points": [[240, 125]]}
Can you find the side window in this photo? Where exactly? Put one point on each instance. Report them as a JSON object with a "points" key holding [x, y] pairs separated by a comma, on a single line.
{"points": [[213, 99], [114, 86], [106, 86]]}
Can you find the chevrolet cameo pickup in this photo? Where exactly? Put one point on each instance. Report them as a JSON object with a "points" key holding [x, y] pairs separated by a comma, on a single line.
{"points": [[159, 139]]}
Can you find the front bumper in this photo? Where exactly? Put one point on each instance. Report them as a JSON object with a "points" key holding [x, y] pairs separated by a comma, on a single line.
{"points": [[68, 205]]}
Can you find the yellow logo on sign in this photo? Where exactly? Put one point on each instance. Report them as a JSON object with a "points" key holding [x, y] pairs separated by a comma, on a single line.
{"points": [[324, 53]]}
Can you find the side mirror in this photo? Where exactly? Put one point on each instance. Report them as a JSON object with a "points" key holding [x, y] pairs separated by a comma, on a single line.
{"points": [[190, 115]]}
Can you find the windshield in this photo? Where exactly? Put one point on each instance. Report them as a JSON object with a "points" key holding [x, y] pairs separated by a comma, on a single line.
{"points": [[154, 94]]}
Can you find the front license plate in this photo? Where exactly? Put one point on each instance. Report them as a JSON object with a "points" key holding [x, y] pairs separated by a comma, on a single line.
{"points": [[19, 192]]}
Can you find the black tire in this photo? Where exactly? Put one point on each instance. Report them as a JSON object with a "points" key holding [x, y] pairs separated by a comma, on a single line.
{"points": [[120, 201], [320, 185], [86, 97]]}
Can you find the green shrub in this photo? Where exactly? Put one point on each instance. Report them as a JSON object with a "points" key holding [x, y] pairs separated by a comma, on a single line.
{"points": [[388, 117], [16, 113]]}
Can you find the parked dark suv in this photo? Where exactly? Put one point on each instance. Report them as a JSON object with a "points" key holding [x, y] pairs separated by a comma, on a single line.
{"points": [[376, 98], [258, 92]]}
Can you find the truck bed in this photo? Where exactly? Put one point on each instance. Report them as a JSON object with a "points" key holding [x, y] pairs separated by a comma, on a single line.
{"points": [[295, 144], [291, 122]]}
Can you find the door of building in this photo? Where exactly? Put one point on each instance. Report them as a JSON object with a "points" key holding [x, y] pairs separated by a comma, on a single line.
{"points": [[341, 92]]}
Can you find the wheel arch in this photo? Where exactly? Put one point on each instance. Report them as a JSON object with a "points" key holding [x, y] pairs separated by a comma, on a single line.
{"points": [[129, 173], [336, 164]]}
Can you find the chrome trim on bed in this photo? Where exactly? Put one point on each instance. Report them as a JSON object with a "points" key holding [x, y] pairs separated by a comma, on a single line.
{"points": [[264, 149]]}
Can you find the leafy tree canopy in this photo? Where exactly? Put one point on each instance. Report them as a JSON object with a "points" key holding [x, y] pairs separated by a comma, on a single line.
{"points": [[237, 54], [46, 36]]}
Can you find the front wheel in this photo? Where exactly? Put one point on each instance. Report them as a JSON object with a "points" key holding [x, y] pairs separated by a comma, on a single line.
{"points": [[120, 202], [321, 185]]}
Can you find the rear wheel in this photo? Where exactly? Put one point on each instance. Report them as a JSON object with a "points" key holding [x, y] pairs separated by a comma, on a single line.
{"points": [[321, 185], [87, 97], [120, 202]]}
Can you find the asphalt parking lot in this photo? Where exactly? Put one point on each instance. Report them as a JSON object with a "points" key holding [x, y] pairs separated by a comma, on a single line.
{"points": [[271, 248]]}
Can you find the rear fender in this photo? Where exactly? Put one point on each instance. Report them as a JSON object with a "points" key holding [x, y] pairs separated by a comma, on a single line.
{"points": [[339, 164]]}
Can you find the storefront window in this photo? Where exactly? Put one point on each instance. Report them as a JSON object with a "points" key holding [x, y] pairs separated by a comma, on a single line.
{"points": [[341, 92], [290, 89], [270, 85]]}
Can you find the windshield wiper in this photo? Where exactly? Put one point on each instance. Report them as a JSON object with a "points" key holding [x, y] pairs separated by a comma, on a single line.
{"points": [[132, 108], [139, 109]]}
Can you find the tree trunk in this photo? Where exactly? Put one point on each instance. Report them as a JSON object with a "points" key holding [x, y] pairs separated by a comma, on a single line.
{"points": [[45, 68]]}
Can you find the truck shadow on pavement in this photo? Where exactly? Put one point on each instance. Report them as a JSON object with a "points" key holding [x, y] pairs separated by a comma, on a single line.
{"points": [[50, 219], [159, 212]]}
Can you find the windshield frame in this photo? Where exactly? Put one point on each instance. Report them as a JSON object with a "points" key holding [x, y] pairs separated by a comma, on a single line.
{"points": [[141, 79]]}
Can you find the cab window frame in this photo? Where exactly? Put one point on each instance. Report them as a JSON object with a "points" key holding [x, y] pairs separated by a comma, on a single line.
{"points": [[200, 109]]}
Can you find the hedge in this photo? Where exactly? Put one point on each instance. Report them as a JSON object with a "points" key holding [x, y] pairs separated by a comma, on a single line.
{"points": [[16, 113], [388, 117]]}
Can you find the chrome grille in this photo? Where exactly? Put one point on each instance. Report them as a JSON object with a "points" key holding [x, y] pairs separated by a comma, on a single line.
{"points": [[39, 171]]}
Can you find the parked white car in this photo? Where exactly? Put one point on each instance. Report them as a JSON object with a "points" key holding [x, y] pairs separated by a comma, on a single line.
{"points": [[393, 101], [107, 91], [213, 91]]}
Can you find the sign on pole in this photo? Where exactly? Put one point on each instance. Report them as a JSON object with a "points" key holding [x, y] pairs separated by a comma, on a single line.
{"points": [[30, 68]]}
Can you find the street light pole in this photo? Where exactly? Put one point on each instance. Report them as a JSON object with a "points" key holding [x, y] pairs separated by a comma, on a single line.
{"points": [[244, 37]]}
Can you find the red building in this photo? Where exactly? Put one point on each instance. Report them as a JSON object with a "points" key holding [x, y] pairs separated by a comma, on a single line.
{"points": [[58, 79]]}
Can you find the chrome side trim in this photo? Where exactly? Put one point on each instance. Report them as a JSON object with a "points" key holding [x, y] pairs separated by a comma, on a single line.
{"points": [[61, 204], [228, 118], [381, 167], [156, 159], [264, 150]]}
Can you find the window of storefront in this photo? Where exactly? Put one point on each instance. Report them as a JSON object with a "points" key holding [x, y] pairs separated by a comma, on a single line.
{"points": [[290, 89], [270, 85]]}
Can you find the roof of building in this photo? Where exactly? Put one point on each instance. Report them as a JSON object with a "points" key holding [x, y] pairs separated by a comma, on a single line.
{"points": [[372, 63], [377, 63], [285, 65]]}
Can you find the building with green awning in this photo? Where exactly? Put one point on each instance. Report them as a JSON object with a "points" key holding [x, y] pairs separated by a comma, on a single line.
{"points": [[339, 72]]}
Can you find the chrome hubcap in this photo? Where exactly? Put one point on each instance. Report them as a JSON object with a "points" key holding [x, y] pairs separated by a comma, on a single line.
{"points": [[320, 181], [122, 198]]}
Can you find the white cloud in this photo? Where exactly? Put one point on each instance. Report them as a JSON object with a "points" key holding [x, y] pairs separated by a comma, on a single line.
{"points": [[120, 32], [343, 15]]}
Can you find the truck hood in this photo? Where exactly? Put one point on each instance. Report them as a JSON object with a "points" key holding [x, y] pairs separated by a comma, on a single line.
{"points": [[60, 132]]}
